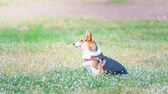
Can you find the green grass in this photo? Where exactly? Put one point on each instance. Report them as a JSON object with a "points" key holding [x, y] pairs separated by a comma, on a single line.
{"points": [[75, 79], [37, 56]]}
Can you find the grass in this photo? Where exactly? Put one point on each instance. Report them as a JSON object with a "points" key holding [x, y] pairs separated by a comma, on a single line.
{"points": [[37, 56]]}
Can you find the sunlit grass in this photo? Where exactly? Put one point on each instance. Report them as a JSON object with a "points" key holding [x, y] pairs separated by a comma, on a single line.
{"points": [[37, 56], [59, 79]]}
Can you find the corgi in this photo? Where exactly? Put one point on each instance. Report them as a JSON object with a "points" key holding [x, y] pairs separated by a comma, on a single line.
{"points": [[94, 59]]}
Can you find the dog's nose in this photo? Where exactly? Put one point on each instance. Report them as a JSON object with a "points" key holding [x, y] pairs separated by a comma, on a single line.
{"points": [[73, 44]]}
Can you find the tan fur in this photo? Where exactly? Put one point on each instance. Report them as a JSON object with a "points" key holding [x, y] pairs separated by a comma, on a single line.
{"points": [[97, 66], [88, 41]]}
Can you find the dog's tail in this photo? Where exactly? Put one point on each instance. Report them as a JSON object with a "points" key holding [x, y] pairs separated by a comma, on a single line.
{"points": [[124, 71]]}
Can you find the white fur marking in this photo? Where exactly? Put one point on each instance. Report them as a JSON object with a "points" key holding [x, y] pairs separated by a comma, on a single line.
{"points": [[87, 54], [77, 44], [95, 71], [88, 65]]}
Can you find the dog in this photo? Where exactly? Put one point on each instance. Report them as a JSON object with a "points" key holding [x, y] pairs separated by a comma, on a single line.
{"points": [[94, 59]]}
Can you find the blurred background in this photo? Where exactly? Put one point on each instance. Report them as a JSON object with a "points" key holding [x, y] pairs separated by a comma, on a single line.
{"points": [[108, 9], [37, 55]]}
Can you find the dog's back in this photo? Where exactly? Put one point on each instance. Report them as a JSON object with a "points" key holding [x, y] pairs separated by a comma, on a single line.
{"points": [[113, 67]]}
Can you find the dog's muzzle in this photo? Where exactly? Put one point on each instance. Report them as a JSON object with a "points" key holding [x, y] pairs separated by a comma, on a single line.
{"points": [[77, 44]]}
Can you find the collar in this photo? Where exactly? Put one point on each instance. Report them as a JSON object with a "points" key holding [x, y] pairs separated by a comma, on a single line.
{"points": [[91, 59], [98, 60]]}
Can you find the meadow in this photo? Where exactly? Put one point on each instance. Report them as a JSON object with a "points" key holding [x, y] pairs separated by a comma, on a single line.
{"points": [[37, 56]]}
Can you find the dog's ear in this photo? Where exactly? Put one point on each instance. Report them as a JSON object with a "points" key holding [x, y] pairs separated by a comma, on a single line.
{"points": [[89, 36]]}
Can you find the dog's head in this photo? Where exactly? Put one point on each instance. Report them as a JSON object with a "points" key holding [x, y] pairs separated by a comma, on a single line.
{"points": [[86, 42]]}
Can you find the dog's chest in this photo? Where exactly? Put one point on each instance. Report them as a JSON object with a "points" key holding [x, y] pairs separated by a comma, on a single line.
{"points": [[90, 68]]}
